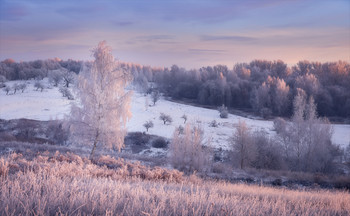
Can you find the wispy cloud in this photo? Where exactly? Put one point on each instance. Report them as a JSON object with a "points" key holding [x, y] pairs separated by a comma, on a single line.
{"points": [[152, 38], [227, 38], [79, 11], [207, 50]]}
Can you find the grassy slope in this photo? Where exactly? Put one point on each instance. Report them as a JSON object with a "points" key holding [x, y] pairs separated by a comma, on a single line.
{"points": [[51, 183]]}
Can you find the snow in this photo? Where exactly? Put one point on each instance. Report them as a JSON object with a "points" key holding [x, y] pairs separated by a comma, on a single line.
{"points": [[50, 104]]}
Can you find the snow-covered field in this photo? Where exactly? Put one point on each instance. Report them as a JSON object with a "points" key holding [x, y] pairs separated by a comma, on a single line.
{"points": [[50, 104]]}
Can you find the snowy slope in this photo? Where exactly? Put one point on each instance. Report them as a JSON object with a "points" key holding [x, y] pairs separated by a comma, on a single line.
{"points": [[49, 104]]}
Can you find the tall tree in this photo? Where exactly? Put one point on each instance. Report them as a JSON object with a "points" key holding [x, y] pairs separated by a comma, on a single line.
{"points": [[104, 103]]}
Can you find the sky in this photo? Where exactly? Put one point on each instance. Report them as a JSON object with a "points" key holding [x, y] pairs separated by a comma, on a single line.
{"points": [[188, 33]]}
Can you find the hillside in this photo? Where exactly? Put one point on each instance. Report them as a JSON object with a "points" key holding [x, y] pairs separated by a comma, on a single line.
{"points": [[50, 104]]}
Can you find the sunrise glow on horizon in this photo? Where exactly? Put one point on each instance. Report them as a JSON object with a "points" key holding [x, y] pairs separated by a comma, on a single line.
{"points": [[190, 34]]}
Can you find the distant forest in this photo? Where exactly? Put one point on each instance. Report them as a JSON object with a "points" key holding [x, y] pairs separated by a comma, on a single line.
{"points": [[264, 87]]}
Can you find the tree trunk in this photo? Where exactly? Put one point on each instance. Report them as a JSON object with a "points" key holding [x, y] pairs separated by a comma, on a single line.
{"points": [[94, 146]]}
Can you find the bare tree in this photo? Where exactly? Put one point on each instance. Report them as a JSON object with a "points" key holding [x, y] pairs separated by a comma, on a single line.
{"points": [[155, 97], [2, 81], [7, 89], [184, 116], [38, 85], [105, 105], [55, 77], [15, 88], [66, 93], [68, 77], [243, 145], [187, 152], [165, 118], [22, 87], [148, 125]]}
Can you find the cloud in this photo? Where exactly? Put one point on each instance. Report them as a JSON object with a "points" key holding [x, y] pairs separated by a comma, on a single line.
{"points": [[152, 38], [207, 50], [227, 38], [78, 11]]}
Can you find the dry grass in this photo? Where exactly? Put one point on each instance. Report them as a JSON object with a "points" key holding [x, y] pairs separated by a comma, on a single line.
{"points": [[66, 184]]}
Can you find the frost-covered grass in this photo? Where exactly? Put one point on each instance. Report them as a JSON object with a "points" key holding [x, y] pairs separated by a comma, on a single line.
{"points": [[66, 184], [50, 104]]}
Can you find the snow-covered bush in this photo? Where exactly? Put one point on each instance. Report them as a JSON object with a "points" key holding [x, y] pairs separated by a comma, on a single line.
{"points": [[213, 123], [2, 81], [15, 88], [223, 111], [22, 87], [55, 77], [7, 89], [66, 93], [38, 85]]}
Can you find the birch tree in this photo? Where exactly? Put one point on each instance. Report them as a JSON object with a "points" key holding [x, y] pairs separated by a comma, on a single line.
{"points": [[100, 117]]}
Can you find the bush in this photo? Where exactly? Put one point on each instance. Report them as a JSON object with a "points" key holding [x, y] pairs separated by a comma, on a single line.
{"points": [[223, 111], [7, 89], [137, 138], [213, 124], [38, 85], [160, 143], [66, 93], [57, 133]]}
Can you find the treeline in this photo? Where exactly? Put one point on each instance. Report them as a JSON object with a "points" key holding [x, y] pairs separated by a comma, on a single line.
{"points": [[37, 69], [265, 87]]}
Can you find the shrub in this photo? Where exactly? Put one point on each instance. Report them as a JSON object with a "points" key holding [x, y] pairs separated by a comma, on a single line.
{"points": [[7, 89], [159, 143], [38, 85], [137, 138], [66, 93], [213, 124], [223, 111]]}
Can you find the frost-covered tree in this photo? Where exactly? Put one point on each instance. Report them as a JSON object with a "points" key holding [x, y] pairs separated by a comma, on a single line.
{"points": [[165, 118], [223, 111], [243, 146], [148, 125], [2, 81], [15, 88], [55, 77], [68, 77], [306, 139], [7, 89], [22, 87], [186, 150], [104, 109], [66, 93], [155, 97], [38, 85]]}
